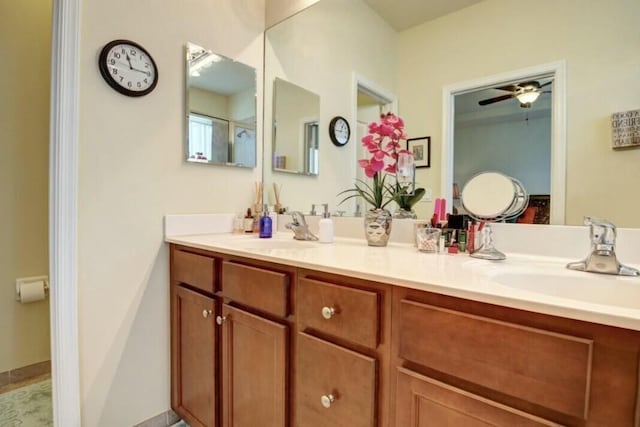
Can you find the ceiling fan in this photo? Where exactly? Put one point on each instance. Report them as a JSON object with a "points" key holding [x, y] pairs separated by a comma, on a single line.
{"points": [[525, 92]]}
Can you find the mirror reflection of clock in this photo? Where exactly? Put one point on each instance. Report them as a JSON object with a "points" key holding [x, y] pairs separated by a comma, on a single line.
{"points": [[339, 131]]}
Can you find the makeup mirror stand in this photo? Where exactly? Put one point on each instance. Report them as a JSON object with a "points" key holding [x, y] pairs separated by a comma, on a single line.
{"points": [[490, 197]]}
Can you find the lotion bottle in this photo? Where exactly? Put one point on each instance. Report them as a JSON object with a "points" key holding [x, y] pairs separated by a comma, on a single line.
{"points": [[326, 226], [273, 214]]}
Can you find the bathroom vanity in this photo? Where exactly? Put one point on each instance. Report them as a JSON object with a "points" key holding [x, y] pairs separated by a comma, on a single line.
{"points": [[284, 333]]}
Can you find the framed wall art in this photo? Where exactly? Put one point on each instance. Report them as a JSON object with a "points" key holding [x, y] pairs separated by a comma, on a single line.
{"points": [[421, 149]]}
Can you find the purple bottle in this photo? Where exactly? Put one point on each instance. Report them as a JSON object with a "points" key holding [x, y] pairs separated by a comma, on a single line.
{"points": [[265, 224]]}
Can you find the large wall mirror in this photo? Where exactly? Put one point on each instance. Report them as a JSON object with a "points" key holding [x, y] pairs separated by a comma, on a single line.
{"points": [[296, 117], [220, 108], [316, 51], [323, 48]]}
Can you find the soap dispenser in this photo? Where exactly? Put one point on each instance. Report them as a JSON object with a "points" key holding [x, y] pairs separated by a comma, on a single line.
{"points": [[326, 226]]}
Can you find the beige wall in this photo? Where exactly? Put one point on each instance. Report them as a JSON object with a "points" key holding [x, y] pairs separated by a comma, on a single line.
{"points": [[600, 44], [238, 107], [323, 59], [131, 173], [208, 103], [25, 40], [242, 106], [277, 10], [295, 107]]}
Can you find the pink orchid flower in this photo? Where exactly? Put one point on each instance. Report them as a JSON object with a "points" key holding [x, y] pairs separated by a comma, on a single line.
{"points": [[383, 142], [371, 166]]}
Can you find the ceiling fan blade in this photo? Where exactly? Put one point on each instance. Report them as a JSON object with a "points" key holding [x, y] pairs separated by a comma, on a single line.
{"points": [[508, 88], [496, 99], [546, 84]]}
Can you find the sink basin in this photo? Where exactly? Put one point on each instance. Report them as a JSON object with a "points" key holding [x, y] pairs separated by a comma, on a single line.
{"points": [[623, 292], [550, 277]]}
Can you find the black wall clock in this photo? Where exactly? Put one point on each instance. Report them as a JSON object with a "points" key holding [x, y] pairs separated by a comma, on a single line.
{"points": [[339, 131], [128, 68]]}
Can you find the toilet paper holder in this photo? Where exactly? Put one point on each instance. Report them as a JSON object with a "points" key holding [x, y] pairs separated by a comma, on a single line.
{"points": [[25, 280]]}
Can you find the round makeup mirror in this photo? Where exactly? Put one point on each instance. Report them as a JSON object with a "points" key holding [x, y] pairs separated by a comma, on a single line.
{"points": [[493, 196]]}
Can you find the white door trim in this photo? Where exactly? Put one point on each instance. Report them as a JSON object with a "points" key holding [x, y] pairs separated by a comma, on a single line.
{"points": [[63, 212], [558, 128], [360, 82]]}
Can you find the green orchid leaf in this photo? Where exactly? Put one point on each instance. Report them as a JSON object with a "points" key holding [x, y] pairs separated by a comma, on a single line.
{"points": [[378, 194]]}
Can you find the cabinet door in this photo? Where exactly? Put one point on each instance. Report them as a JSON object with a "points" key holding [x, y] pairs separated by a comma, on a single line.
{"points": [[424, 402], [193, 339], [254, 374]]}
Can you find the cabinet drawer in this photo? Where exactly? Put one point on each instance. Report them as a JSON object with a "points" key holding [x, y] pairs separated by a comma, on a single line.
{"points": [[325, 370], [262, 289], [195, 270], [545, 368], [347, 313], [425, 402]]}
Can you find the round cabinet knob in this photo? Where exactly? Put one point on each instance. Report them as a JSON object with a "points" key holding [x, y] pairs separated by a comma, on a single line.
{"points": [[328, 312], [220, 319], [327, 400], [206, 313]]}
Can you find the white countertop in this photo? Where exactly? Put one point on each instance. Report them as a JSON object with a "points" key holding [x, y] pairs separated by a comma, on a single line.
{"points": [[534, 283]]}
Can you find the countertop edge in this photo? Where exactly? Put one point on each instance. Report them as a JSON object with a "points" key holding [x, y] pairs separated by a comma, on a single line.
{"points": [[561, 307]]}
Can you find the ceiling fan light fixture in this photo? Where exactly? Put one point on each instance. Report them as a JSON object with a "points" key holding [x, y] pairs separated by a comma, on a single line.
{"points": [[528, 97]]}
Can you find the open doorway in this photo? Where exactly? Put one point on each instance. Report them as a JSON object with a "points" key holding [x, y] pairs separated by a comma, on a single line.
{"points": [[25, 353], [371, 102], [555, 71], [495, 131]]}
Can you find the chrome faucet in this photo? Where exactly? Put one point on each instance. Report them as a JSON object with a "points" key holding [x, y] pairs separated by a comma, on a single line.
{"points": [[602, 258], [300, 227]]}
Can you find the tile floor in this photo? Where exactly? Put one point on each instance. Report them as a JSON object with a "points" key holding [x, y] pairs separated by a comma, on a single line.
{"points": [[27, 404]]}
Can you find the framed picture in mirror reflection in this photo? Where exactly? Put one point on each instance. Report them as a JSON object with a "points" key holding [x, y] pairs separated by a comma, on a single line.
{"points": [[421, 149]]}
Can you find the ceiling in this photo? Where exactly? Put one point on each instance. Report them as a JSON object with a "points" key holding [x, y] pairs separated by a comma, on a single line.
{"points": [[402, 14], [226, 77]]}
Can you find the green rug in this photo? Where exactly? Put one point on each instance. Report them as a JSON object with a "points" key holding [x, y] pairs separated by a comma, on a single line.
{"points": [[28, 406]]}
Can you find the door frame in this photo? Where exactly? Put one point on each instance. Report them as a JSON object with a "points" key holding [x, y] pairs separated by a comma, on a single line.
{"points": [[558, 128], [63, 212], [360, 83]]}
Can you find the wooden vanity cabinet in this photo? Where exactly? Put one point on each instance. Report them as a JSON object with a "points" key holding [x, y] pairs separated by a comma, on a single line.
{"points": [[465, 363], [261, 344], [194, 337], [230, 340]]}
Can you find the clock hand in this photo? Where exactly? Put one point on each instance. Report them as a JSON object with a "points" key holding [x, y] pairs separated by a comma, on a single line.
{"points": [[129, 61], [140, 71]]}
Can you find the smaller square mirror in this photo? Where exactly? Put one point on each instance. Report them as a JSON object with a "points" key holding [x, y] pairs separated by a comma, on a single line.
{"points": [[220, 109]]}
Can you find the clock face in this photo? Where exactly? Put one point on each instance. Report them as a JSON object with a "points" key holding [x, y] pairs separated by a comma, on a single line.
{"points": [[128, 68], [339, 131]]}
